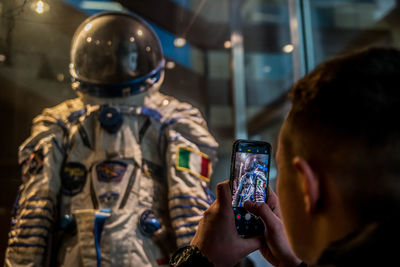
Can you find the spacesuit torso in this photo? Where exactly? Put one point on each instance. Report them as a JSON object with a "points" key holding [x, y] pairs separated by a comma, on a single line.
{"points": [[251, 186], [111, 184]]}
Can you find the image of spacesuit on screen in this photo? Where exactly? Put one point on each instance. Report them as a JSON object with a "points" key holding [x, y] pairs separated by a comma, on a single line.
{"points": [[251, 172]]}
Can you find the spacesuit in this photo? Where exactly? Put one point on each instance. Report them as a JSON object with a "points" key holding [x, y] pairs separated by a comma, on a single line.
{"points": [[117, 176], [251, 186]]}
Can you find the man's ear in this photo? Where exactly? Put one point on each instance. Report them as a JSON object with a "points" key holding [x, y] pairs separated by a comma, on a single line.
{"points": [[309, 183]]}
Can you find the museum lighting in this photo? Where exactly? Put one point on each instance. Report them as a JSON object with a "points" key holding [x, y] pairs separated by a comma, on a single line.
{"points": [[170, 65], [179, 41], [288, 48], [60, 77], [227, 44], [88, 26], [40, 6], [267, 69], [101, 5]]}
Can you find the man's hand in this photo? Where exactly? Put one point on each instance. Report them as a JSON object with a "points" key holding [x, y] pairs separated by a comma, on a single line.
{"points": [[217, 237], [276, 248]]}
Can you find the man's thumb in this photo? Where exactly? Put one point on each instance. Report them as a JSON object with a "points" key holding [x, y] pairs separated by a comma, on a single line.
{"points": [[262, 210], [224, 193]]}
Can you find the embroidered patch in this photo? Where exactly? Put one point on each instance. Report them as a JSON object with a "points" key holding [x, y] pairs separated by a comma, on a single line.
{"points": [[110, 171], [73, 178], [194, 162], [32, 165]]}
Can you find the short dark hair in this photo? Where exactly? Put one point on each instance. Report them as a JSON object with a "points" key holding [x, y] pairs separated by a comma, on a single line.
{"points": [[345, 120]]}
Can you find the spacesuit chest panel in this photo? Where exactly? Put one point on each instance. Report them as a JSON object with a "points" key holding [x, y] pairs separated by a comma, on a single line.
{"points": [[112, 182], [153, 185], [111, 161], [124, 174], [153, 190]]}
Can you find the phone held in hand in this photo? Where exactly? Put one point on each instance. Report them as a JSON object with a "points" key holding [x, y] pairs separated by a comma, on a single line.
{"points": [[249, 181]]}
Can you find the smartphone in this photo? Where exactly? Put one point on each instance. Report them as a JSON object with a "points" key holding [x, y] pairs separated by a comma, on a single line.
{"points": [[249, 181]]}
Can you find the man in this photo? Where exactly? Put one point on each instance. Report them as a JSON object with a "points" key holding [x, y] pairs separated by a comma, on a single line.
{"points": [[338, 183], [117, 176]]}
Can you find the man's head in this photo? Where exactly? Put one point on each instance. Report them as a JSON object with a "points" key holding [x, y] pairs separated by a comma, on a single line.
{"points": [[339, 149]]}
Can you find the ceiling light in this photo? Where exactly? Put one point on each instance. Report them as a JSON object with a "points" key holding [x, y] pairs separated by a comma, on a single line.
{"points": [[40, 6], [60, 77], [170, 65], [227, 44], [288, 48], [267, 69], [179, 41]]}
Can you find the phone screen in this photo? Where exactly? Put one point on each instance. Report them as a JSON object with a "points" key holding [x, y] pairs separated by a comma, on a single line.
{"points": [[249, 182], [251, 177]]}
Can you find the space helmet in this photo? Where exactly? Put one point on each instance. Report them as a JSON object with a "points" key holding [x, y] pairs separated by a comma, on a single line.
{"points": [[115, 54]]}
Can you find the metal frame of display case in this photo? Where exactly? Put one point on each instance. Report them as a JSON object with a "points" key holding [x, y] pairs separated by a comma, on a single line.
{"points": [[302, 37], [303, 63], [238, 72]]}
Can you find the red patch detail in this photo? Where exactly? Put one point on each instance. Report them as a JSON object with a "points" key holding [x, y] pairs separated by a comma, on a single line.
{"points": [[205, 167], [163, 261]]}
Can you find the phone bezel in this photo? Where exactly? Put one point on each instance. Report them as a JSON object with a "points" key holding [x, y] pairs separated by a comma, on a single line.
{"points": [[233, 157], [249, 143]]}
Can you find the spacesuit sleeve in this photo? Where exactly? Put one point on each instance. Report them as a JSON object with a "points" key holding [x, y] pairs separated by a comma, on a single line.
{"points": [[33, 215], [191, 154]]}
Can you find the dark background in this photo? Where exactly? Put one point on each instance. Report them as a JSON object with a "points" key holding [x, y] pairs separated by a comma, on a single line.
{"points": [[34, 59]]}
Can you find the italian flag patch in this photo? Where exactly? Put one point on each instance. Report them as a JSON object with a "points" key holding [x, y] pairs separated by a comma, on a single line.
{"points": [[194, 162]]}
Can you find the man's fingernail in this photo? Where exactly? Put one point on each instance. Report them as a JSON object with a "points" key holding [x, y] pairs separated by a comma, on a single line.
{"points": [[219, 187]]}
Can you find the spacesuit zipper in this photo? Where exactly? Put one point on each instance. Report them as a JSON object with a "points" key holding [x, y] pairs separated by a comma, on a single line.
{"points": [[129, 187], [93, 196], [84, 136]]}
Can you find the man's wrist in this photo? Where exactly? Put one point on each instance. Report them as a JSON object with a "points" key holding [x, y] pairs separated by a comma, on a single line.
{"points": [[189, 256]]}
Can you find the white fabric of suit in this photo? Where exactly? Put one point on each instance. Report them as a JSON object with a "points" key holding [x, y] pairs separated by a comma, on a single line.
{"points": [[177, 197]]}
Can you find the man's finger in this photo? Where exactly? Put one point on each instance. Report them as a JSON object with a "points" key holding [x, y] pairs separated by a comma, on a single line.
{"points": [[272, 197], [224, 193], [262, 210], [252, 244], [273, 202]]}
